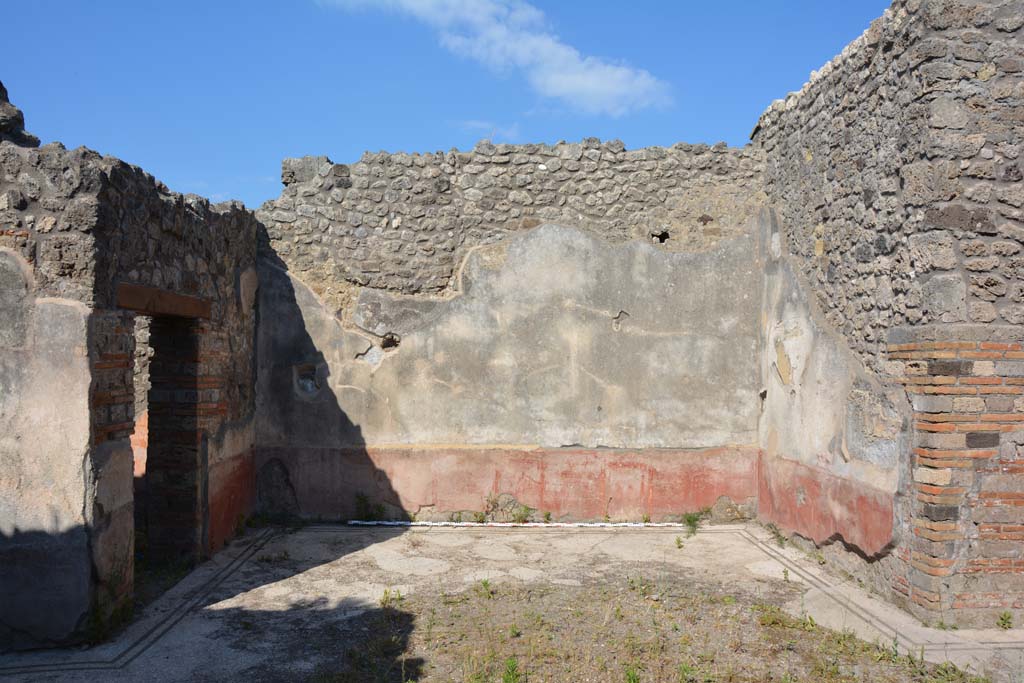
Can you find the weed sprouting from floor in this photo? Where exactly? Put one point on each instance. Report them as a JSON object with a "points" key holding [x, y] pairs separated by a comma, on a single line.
{"points": [[772, 615], [274, 558], [390, 599], [521, 515], [779, 537], [511, 673], [648, 627], [484, 589], [679, 542], [646, 518], [692, 520], [455, 517], [1005, 621]]}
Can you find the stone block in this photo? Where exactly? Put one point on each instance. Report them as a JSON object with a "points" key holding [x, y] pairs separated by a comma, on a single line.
{"points": [[933, 251], [945, 297]]}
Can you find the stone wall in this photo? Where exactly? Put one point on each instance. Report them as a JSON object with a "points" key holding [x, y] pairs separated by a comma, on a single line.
{"points": [[823, 326], [518, 300], [896, 172], [897, 176], [554, 340], [86, 242], [404, 222]]}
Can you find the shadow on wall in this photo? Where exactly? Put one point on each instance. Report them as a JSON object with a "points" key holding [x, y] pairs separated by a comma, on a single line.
{"points": [[297, 411], [45, 591], [48, 583]]}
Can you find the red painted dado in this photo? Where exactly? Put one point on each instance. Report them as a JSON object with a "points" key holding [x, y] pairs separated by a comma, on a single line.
{"points": [[232, 492], [571, 484], [821, 506]]}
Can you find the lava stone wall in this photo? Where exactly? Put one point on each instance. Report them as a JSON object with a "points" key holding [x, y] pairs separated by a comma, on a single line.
{"points": [[897, 174], [76, 228], [403, 222]]}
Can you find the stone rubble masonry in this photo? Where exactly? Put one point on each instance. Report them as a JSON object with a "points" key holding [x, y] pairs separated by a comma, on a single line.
{"points": [[897, 177], [12, 123], [404, 222], [83, 227], [897, 174]]}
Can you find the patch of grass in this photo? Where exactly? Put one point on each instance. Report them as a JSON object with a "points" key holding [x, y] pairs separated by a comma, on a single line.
{"points": [[484, 589], [646, 518], [1005, 621], [511, 673], [609, 629], [679, 542], [641, 585], [547, 517], [273, 558], [947, 672], [772, 615], [521, 515], [780, 538], [692, 520], [390, 599], [480, 517]]}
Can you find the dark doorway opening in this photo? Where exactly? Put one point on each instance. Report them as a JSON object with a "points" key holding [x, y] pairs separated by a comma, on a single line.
{"points": [[174, 461], [170, 454]]}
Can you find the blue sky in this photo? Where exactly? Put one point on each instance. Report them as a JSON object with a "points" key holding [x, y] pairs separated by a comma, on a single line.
{"points": [[210, 95]]}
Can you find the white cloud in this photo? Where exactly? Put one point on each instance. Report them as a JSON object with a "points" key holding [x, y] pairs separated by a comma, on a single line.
{"points": [[508, 35]]}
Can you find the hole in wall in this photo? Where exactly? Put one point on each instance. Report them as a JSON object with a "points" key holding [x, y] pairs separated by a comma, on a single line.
{"points": [[705, 219], [306, 379], [660, 237], [390, 341]]}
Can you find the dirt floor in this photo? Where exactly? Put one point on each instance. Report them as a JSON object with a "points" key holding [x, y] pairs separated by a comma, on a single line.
{"points": [[625, 629], [508, 605], [647, 625]]}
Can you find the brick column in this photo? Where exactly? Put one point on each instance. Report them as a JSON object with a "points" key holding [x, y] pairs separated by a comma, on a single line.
{"points": [[966, 558], [111, 525]]}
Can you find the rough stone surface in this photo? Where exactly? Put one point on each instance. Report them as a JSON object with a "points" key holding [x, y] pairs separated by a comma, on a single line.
{"points": [[438, 328], [404, 222], [12, 123], [899, 161], [74, 227]]}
